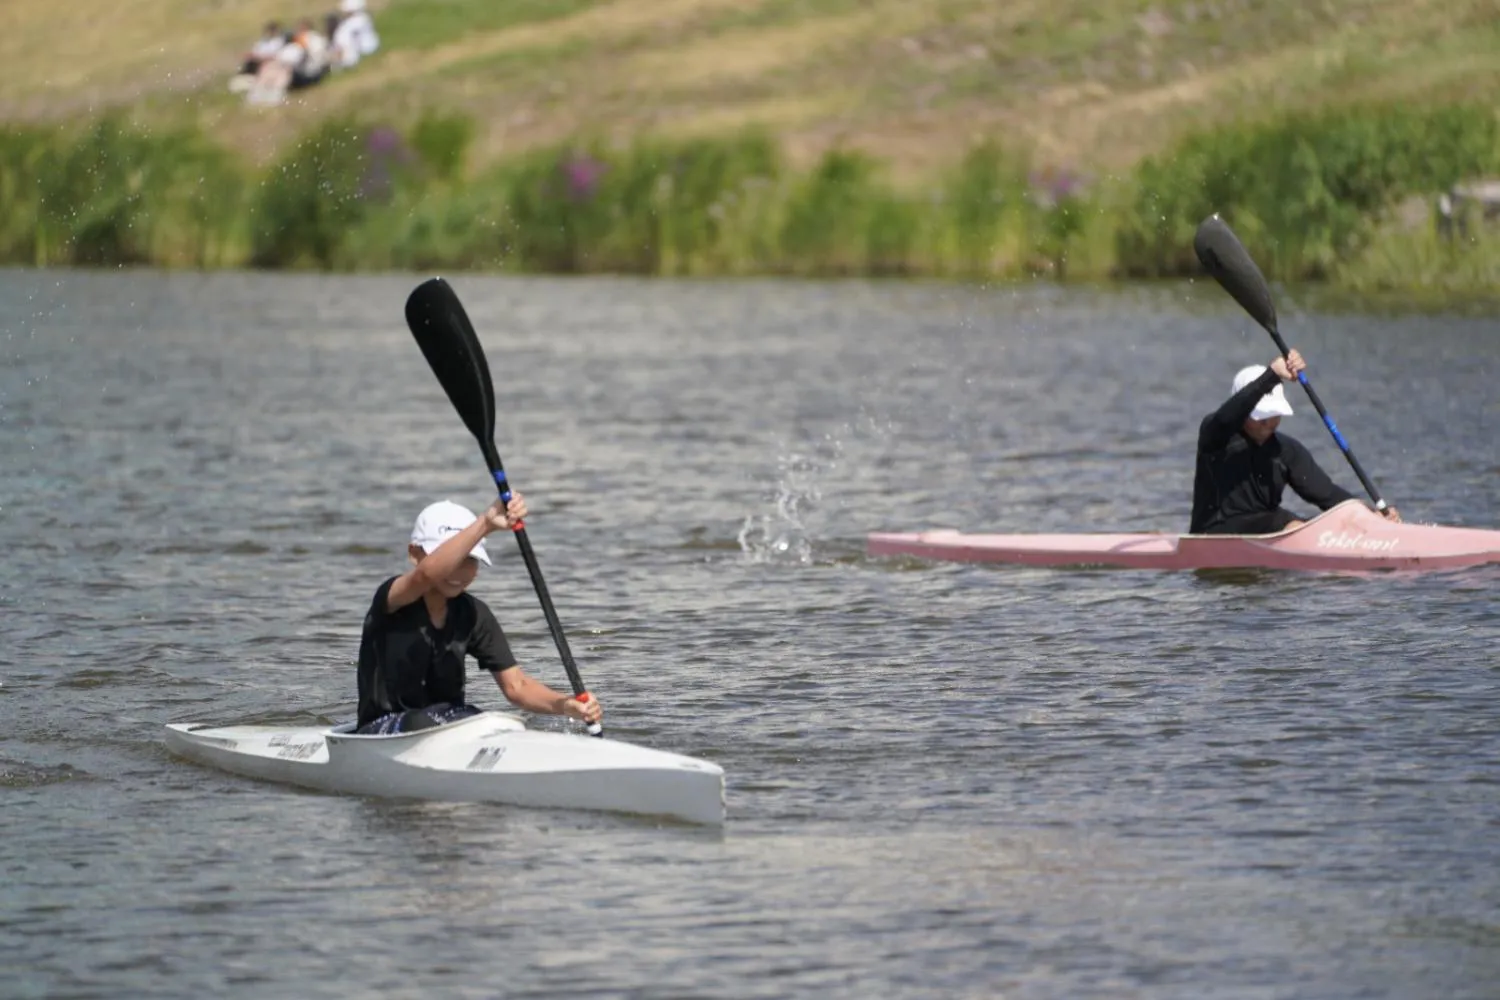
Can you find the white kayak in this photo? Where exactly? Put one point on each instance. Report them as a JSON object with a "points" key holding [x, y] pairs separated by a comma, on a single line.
{"points": [[490, 757]]}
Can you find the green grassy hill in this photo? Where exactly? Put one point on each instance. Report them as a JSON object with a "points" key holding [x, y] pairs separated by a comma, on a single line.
{"points": [[956, 138], [1083, 84]]}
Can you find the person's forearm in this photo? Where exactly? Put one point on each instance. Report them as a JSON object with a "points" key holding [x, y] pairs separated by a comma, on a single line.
{"points": [[532, 695], [448, 557], [1310, 482], [1222, 425], [1237, 408]]}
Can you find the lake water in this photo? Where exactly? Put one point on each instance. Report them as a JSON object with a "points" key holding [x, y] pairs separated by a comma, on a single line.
{"points": [[943, 780]]}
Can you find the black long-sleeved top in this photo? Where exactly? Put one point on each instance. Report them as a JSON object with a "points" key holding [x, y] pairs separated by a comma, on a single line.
{"points": [[1237, 477]]}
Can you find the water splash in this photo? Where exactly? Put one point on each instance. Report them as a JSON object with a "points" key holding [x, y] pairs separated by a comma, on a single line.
{"points": [[786, 535]]}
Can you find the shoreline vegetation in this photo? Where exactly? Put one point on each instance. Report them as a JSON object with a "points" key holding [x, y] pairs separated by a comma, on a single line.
{"points": [[1340, 198]]}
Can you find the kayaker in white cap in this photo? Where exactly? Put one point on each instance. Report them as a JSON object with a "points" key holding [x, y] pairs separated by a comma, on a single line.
{"points": [[1244, 465], [423, 624]]}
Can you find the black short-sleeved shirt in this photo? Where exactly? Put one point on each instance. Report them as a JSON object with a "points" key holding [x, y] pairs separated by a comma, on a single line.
{"points": [[406, 662]]}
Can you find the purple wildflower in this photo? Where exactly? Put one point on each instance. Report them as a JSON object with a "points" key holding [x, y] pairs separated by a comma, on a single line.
{"points": [[582, 174], [385, 141], [1052, 186], [386, 149]]}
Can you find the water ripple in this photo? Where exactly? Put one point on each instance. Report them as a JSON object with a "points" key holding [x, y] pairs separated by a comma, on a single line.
{"points": [[943, 781]]}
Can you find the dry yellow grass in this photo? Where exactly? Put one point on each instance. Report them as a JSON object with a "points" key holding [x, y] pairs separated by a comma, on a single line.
{"points": [[67, 57], [1093, 83], [750, 53]]}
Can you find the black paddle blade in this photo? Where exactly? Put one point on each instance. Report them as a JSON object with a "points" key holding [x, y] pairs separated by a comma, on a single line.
{"points": [[1225, 257], [448, 342]]}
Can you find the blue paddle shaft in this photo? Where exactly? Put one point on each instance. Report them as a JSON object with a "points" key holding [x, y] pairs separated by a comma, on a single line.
{"points": [[1333, 428]]}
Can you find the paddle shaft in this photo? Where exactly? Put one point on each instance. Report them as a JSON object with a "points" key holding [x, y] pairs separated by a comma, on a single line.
{"points": [[534, 569], [1333, 428], [540, 585]]}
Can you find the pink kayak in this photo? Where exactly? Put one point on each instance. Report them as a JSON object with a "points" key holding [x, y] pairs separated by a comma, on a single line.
{"points": [[1348, 537]]}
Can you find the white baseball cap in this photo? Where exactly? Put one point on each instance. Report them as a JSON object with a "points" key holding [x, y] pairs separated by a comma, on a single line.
{"points": [[1272, 404], [442, 520], [352, 6]]}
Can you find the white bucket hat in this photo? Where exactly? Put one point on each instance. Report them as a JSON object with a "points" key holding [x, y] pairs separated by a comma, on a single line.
{"points": [[442, 520], [1272, 404]]}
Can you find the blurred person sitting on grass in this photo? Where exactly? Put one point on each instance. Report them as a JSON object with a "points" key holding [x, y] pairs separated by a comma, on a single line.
{"points": [[271, 41], [354, 38], [301, 62]]}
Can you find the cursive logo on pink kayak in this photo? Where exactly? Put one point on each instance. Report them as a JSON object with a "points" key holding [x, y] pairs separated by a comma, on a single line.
{"points": [[1355, 540]]}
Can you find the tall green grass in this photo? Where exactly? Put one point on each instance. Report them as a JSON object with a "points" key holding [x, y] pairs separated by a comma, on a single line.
{"points": [[1309, 194], [725, 206], [309, 203], [1304, 192], [111, 195], [1420, 262]]}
